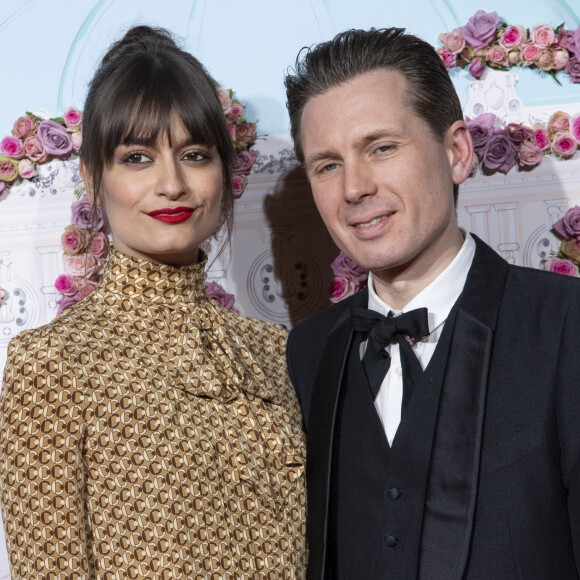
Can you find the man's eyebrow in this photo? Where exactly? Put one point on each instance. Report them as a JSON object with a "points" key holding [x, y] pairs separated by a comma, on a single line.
{"points": [[319, 156], [375, 136]]}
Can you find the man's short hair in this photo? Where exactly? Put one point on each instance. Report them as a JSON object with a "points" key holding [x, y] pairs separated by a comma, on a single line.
{"points": [[318, 69]]}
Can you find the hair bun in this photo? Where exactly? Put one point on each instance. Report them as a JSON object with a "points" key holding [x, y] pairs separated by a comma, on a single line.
{"points": [[143, 37]]}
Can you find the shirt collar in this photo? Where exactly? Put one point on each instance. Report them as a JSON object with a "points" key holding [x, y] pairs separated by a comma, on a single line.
{"points": [[440, 295]]}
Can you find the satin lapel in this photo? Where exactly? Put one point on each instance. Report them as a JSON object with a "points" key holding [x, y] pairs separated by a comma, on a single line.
{"points": [[454, 472], [320, 435]]}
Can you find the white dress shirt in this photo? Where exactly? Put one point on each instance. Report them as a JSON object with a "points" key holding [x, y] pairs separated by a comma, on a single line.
{"points": [[438, 297]]}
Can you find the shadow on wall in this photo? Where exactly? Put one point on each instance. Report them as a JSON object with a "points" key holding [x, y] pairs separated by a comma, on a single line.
{"points": [[302, 249]]}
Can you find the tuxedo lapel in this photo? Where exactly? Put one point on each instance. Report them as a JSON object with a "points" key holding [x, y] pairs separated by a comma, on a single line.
{"points": [[455, 460], [320, 434]]}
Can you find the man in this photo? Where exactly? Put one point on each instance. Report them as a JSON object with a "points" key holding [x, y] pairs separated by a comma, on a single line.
{"points": [[443, 445]]}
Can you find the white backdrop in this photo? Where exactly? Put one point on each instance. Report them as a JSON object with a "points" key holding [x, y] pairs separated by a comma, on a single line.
{"points": [[279, 262]]}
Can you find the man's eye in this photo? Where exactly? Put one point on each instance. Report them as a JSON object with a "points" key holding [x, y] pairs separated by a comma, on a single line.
{"points": [[383, 149], [327, 168]]}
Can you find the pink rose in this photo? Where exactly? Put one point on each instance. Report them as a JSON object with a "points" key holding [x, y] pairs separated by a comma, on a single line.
{"points": [[66, 285], [244, 162], [73, 119], [225, 96], [232, 129], [575, 127], [54, 138], [481, 129], [573, 69], [453, 42], [497, 56], [237, 110], [87, 287], [499, 154], [76, 139], [540, 137], [81, 265], [85, 216], [449, 59], [2, 186], [74, 240], [480, 29], [217, 293], [564, 145], [559, 121], [246, 133], [65, 302], [568, 227], [560, 59], [239, 183], [529, 154], [341, 288], [24, 127], [34, 150], [477, 67], [99, 246], [529, 53], [542, 35], [513, 37], [571, 249], [8, 169], [12, 147], [561, 266], [26, 169], [545, 59], [518, 133]]}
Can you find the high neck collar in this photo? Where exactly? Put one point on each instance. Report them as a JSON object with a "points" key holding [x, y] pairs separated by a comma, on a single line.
{"points": [[154, 282]]}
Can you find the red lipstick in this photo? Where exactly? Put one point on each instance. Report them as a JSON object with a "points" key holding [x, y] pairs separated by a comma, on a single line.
{"points": [[172, 215]]}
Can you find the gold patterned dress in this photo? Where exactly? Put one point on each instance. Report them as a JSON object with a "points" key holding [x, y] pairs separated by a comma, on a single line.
{"points": [[149, 433]]}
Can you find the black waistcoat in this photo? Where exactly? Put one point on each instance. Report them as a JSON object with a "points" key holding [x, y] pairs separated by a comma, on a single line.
{"points": [[377, 492]]}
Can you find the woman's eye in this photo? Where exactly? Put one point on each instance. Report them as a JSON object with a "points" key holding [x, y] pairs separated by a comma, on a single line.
{"points": [[136, 158], [196, 156]]}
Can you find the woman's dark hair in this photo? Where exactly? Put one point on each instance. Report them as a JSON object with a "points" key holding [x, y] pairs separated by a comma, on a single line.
{"points": [[430, 92], [143, 80]]}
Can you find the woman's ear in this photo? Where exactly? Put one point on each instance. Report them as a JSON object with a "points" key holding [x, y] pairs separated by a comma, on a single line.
{"points": [[460, 149], [89, 189]]}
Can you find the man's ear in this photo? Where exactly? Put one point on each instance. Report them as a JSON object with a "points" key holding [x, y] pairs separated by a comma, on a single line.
{"points": [[89, 189], [460, 151]]}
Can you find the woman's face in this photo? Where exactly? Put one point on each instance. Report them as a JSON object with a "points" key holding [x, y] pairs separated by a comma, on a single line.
{"points": [[162, 202]]}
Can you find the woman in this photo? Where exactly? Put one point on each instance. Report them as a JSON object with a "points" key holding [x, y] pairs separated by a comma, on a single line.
{"points": [[147, 432]]}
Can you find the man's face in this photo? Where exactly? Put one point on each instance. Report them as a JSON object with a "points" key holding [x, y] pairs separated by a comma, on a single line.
{"points": [[382, 183]]}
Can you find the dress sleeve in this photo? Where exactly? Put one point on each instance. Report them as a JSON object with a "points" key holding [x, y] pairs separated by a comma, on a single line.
{"points": [[41, 468]]}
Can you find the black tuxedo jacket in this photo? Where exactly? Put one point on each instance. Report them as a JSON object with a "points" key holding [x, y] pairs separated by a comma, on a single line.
{"points": [[506, 447]]}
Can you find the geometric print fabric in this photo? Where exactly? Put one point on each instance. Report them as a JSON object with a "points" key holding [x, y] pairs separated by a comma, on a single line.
{"points": [[147, 432]]}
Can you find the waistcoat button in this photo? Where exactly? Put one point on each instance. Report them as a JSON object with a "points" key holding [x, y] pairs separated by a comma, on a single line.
{"points": [[391, 541], [394, 493]]}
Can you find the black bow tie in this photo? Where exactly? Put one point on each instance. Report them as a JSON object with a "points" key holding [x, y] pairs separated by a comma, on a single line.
{"points": [[382, 331]]}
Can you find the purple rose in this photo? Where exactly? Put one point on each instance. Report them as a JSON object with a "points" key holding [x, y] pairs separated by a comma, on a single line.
{"points": [[480, 29], [560, 266], [85, 216], [568, 227], [55, 138], [573, 69], [566, 39], [499, 153], [477, 68], [481, 129], [217, 293], [576, 40], [244, 162], [65, 302], [343, 267], [518, 133]]}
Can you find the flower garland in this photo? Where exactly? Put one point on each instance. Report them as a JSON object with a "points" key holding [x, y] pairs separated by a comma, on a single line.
{"points": [[349, 278], [36, 140], [568, 258], [487, 41], [85, 242], [499, 149]]}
